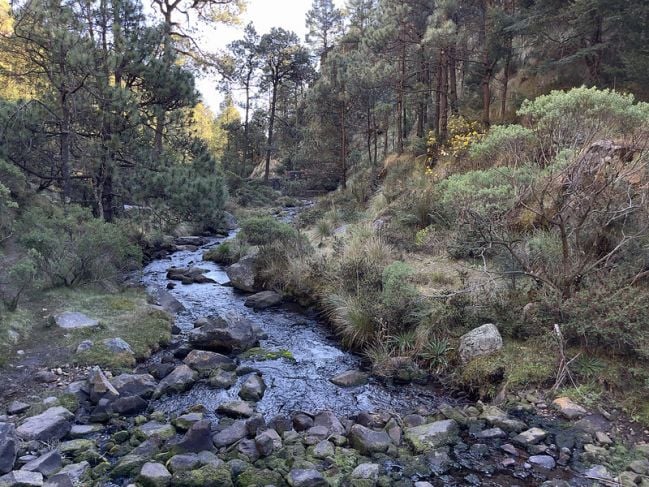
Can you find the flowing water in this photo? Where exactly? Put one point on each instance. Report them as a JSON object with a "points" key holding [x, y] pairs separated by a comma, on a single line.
{"points": [[301, 384]]}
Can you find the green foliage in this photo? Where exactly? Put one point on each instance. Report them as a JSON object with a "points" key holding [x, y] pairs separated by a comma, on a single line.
{"points": [[226, 253], [72, 247], [609, 320], [264, 230], [510, 145], [21, 277], [399, 296], [577, 117]]}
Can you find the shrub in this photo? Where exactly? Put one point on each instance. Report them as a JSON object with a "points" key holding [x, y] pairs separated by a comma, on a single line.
{"points": [[264, 230], [72, 248], [512, 145], [226, 253], [399, 296], [354, 319]]}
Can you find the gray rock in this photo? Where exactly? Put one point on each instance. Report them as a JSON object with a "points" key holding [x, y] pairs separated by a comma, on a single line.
{"points": [[22, 478], [129, 405], [142, 385], [330, 421], [72, 320], [263, 300], [236, 409], [480, 341], [265, 444], [198, 438], [117, 345], [543, 461], [242, 275], [302, 422], [186, 421], [306, 478], [184, 462], [253, 388], [165, 300], [84, 430], [75, 471], [249, 449], [366, 471], [180, 379], [202, 360], [155, 428], [154, 475], [323, 450], [568, 409], [59, 480], [46, 376], [598, 472], [84, 346], [432, 435], [46, 464], [52, 424], [368, 441], [222, 379], [100, 387], [17, 407], [234, 335], [490, 434], [351, 378], [231, 434], [8, 447], [530, 437]]}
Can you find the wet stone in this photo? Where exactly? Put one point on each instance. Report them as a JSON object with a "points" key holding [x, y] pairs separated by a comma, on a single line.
{"points": [[236, 409], [323, 449], [306, 478], [17, 407], [543, 461], [530, 437]]}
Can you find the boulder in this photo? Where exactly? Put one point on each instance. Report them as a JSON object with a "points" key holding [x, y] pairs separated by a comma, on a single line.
{"points": [[154, 475], [323, 450], [163, 298], [202, 360], [368, 441], [73, 320], [8, 447], [99, 386], [85, 345], [430, 436], [75, 472], [236, 409], [183, 462], [222, 379], [351, 378], [142, 385], [231, 434], [22, 478], [263, 300], [306, 478], [330, 421], [180, 379], [155, 428], [117, 345], [265, 444], [186, 421], [235, 335], [50, 425], [242, 275], [366, 471], [193, 240], [530, 437], [568, 409], [480, 341], [198, 438], [17, 407], [253, 388], [129, 405], [543, 461], [46, 464]]}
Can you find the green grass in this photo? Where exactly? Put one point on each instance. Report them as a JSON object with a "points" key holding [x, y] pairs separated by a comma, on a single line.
{"points": [[259, 353], [123, 314]]}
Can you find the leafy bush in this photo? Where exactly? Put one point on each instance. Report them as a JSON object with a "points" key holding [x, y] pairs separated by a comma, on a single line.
{"points": [[399, 296], [576, 118], [73, 248], [226, 253], [511, 145], [264, 230]]}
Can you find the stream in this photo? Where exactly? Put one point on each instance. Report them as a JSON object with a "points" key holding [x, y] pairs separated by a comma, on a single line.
{"points": [[301, 384]]}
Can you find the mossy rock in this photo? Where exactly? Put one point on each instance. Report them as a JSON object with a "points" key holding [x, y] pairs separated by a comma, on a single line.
{"points": [[259, 478], [258, 353], [128, 466], [207, 476]]}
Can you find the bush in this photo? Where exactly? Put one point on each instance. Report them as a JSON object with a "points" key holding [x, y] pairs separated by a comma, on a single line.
{"points": [[264, 230], [226, 253], [399, 296], [75, 248], [511, 145]]}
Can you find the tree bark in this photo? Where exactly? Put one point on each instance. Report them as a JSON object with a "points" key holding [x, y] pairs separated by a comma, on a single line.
{"points": [[271, 124]]}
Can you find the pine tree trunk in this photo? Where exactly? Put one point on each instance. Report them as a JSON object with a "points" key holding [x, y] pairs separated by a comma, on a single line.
{"points": [[452, 74], [271, 124], [246, 127], [438, 98], [486, 66], [443, 97], [64, 140], [400, 103]]}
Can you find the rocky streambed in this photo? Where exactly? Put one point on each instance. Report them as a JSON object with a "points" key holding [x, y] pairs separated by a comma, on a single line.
{"points": [[266, 397]]}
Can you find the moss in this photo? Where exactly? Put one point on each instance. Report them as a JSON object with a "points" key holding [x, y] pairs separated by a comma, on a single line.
{"points": [[259, 353], [207, 476], [519, 365], [259, 478]]}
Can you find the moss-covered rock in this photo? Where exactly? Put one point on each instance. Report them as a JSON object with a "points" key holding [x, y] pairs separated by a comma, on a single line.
{"points": [[259, 478], [207, 476]]}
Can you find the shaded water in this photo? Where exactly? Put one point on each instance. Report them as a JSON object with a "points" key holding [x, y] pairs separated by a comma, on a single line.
{"points": [[300, 385]]}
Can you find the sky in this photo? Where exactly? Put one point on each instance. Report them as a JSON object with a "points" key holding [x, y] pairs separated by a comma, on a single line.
{"points": [[264, 14]]}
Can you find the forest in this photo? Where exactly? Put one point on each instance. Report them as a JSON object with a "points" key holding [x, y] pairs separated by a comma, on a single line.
{"points": [[409, 171]]}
